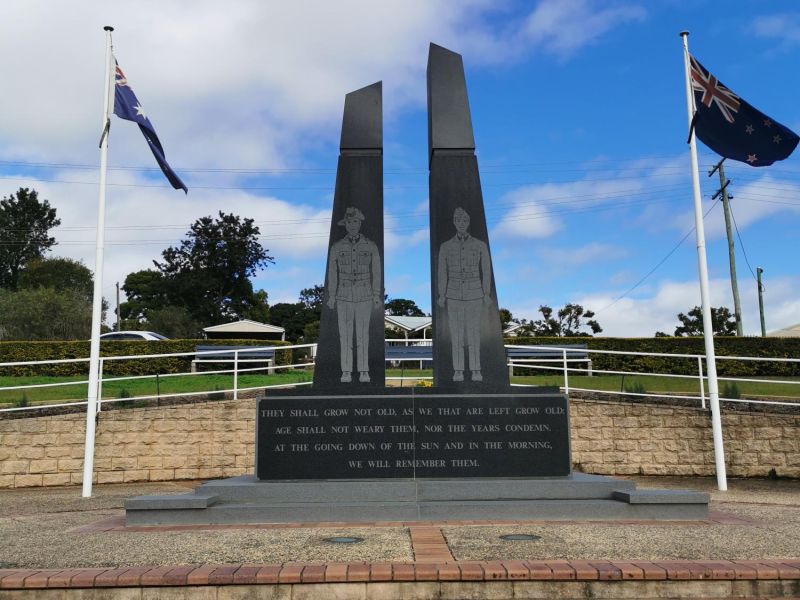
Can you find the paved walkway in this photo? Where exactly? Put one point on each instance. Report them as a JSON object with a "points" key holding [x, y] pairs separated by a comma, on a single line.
{"points": [[54, 538]]}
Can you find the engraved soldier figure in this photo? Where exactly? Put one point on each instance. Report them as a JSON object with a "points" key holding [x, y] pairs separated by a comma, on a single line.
{"points": [[464, 285], [354, 287]]}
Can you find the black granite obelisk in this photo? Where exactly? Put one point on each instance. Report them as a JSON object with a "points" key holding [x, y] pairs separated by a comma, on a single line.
{"points": [[468, 352], [350, 353]]}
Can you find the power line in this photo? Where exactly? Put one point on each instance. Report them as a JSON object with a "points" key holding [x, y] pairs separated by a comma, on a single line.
{"points": [[541, 164], [571, 199], [324, 233], [661, 262], [741, 244]]}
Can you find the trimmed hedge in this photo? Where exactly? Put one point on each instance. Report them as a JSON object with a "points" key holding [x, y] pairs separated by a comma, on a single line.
{"points": [[28, 351], [724, 346]]}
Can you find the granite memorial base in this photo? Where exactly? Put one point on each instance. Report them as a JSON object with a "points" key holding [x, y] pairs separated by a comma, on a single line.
{"points": [[414, 455]]}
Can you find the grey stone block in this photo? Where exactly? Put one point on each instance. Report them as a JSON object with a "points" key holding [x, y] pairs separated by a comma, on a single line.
{"points": [[574, 486], [249, 489], [661, 496], [184, 501]]}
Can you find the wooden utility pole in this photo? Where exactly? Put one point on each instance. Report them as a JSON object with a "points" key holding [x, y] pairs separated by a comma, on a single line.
{"points": [[759, 271], [737, 307]]}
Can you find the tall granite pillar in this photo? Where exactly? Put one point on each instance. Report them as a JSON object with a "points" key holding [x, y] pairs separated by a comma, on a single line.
{"points": [[350, 353], [468, 352]]}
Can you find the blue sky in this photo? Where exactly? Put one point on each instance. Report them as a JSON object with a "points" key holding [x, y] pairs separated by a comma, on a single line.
{"points": [[580, 124]]}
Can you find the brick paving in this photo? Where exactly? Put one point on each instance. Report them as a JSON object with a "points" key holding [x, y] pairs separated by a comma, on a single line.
{"points": [[250, 574], [433, 562]]}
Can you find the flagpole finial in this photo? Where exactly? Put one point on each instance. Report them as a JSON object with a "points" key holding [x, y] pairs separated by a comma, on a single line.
{"points": [[108, 28], [684, 33]]}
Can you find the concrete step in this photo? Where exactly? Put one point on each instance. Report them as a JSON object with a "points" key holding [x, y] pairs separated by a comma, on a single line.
{"points": [[661, 497], [248, 489], [181, 502], [367, 512]]}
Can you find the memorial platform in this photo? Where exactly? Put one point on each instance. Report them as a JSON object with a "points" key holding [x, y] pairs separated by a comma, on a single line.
{"points": [[575, 497]]}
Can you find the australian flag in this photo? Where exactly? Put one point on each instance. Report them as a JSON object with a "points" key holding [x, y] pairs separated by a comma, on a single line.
{"points": [[733, 128], [128, 107]]}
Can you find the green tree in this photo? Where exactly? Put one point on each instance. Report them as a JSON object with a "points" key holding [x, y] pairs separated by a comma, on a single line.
{"points": [[209, 271], [259, 307], [173, 322], [506, 318], [146, 291], [25, 223], [59, 273], [43, 313], [723, 323], [401, 307], [569, 321], [292, 316], [313, 297], [311, 332]]}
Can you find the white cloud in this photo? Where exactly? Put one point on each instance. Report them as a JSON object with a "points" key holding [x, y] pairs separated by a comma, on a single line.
{"points": [[752, 201], [250, 84], [594, 253], [535, 209], [142, 221], [643, 315], [561, 27], [783, 27], [247, 85], [528, 219]]}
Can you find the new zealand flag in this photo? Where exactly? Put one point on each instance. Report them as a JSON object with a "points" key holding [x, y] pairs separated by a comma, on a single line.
{"points": [[128, 107], [733, 128]]}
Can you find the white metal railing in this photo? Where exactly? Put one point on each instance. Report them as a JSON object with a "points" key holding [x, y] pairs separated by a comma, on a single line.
{"points": [[700, 377], [239, 357], [409, 342], [564, 365], [235, 371]]}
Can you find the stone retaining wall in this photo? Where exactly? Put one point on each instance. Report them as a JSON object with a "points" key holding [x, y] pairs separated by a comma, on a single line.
{"points": [[215, 439]]}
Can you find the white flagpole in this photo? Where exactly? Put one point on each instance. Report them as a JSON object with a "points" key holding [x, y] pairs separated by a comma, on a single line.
{"points": [[97, 300], [708, 332]]}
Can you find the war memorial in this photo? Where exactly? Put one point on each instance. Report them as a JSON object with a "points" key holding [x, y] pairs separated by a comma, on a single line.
{"points": [[470, 447]]}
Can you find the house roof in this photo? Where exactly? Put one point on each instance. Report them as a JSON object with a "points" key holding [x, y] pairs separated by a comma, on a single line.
{"points": [[511, 328], [245, 326], [409, 323], [790, 331]]}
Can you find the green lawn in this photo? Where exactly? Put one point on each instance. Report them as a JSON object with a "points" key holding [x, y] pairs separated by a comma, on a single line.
{"points": [[204, 383], [138, 387], [637, 383]]}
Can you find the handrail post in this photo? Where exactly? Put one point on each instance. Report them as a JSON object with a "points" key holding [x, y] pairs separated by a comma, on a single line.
{"points": [[702, 384], [235, 374], [566, 373], [100, 385]]}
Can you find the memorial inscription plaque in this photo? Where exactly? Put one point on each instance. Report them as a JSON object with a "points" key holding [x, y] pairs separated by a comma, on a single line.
{"points": [[413, 434]]}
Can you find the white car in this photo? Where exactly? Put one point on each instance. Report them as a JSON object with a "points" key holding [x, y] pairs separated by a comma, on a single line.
{"points": [[130, 336]]}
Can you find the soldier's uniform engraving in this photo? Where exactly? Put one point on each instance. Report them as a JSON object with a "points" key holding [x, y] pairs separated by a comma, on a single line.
{"points": [[354, 288], [464, 286]]}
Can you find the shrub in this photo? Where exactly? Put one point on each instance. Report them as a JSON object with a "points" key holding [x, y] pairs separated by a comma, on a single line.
{"points": [[30, 351], [23, 401], [635, 387], [724, 346], [216, 394], [731, 390]]}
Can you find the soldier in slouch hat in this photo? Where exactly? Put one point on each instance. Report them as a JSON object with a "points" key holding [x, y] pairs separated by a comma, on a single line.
{"points": [[354, 288]]}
